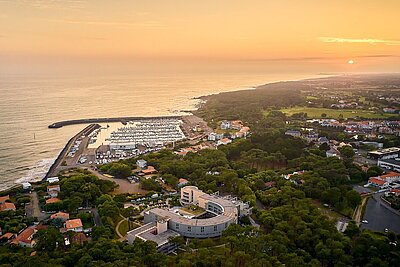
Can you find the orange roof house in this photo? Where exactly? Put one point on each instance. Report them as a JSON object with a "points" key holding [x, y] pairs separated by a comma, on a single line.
{"points": [[4, 198], [60, 215], [74, 225], [52, 200], [376, 181], [7, 236], [7, 206], [25, 238], [149, 170], [390, 175]]}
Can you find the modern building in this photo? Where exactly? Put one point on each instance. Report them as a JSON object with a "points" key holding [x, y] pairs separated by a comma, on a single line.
{"points": [[157, 232], [217, 213], [387, 153], [390, 164]]}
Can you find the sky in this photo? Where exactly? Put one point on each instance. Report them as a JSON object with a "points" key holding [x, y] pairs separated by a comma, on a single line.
{"points": [[320, 32]]}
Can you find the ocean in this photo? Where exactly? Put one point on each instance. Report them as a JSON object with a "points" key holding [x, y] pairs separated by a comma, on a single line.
{"points": [[29, 103]]}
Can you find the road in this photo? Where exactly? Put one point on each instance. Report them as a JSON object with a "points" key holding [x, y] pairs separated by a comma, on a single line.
{"points": [[380, 216], [33, 208], [96, 217]]}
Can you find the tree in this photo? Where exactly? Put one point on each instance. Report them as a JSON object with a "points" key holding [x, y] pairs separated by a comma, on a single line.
{"points": [[374, 171], [48, 239], [353, 198]]}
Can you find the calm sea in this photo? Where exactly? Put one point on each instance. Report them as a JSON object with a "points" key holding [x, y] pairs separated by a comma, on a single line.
{"points": [[29, 103]]}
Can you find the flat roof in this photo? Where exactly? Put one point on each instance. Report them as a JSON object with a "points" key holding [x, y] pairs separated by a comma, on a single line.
{"points": [[193, 222], [385, 151]]}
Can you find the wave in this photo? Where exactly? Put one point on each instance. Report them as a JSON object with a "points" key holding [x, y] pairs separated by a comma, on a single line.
{"points": [[37, 172]]}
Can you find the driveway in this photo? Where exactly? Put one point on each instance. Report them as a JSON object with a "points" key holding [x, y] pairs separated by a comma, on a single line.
{"points": [[33, 208]]}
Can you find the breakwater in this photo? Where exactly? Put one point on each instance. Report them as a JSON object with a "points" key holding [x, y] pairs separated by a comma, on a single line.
{"points": [[106, 120], [87, 130]]}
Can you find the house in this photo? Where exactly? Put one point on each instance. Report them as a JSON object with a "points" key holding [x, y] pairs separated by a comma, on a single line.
{"points": [[4, 198], [149, 170], [79, 238], [53, 190], [25, 238], [390, 110], [60, 215], [237, 125], [74, 225], [395, 192], [224, 141], [293, 133], [225, 125], [333, 152], [52, 200], [7, 206], [7, 237], [214, 137], [53, 180], [390, 177], [322, 140], [182, 182], [26, 186], [373, 181], [141, 163]]}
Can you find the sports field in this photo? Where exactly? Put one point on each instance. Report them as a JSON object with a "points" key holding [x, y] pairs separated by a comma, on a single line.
{"points": [[335, 113]]}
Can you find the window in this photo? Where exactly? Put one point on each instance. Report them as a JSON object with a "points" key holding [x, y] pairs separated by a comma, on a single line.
{"points": [[215, 228], [189, 228], [226, 225], [177, 226], [202, 229]]}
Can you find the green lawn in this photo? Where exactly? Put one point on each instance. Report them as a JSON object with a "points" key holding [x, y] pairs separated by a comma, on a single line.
{"points": [[335, 113], [123, 227]]}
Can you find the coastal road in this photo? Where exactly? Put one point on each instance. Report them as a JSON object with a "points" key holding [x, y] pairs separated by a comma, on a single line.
{"points": [[380, 216]]}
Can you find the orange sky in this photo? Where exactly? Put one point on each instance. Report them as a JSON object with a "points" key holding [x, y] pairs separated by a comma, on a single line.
{"points": [[312, 30]]}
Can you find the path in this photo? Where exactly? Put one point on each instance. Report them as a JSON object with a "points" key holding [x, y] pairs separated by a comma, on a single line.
{"points": [[121, 237], [33, 208], [358, 211], [96, 217]]}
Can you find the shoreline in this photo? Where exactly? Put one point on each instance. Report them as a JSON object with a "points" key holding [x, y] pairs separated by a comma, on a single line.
{"points": [[200, 98]]}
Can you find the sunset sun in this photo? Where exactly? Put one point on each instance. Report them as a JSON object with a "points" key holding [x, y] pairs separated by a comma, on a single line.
{"points": [[350, 61]]}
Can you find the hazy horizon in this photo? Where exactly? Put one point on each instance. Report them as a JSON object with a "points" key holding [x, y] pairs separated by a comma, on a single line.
{"points": [[39, 36]]}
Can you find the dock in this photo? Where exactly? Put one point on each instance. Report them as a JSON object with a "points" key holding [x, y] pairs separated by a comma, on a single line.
{"points": [[86, 131], [107, 120]]}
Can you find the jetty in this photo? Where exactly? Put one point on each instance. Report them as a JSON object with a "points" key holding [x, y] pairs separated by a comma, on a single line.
{"points": [[57, 163], [107, 120]]}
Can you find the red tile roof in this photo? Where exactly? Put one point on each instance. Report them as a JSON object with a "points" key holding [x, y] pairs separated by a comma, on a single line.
{"points": [[7, 235], [4, 198], [26, 235], [75, 223], [7, 206], [61, 215], [52, 200], [376, 181], [390, 175]]}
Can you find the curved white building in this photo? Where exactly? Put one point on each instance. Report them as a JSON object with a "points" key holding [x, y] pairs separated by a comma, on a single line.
{"points": [[219, 213]]}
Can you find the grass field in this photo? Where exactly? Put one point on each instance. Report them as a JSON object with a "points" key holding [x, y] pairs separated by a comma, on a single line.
{"points": [[335, 113], [123, 227]]}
